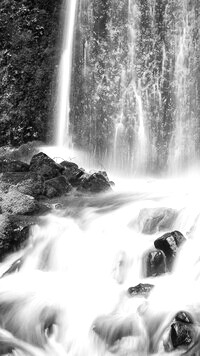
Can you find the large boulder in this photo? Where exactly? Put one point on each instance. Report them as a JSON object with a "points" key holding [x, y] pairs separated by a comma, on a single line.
{"points": [[151, 220], [181, 334], [29, 183], [17, 203], [155, 263], [94, 183], [169, 243], [45, 166], [56, 187], [13, 235], [7, 165]]}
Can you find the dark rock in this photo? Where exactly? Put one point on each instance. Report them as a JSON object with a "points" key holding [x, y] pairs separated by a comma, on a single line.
{"points": [[45, 166], [32, 184], [68, 164], [183, 317], [72, 173], [56, 187], [27, 183], [141, 290], [17, 203], [13, 235], [155, 263], [169, 244], [151, 220], [7, 165], [181, 334], [74, 178], [94, 183]]}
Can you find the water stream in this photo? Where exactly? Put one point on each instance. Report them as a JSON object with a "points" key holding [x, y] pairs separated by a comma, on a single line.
{"points": [[71, 296], [136, 111]]}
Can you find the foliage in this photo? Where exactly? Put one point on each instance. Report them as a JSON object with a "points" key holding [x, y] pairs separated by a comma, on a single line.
{"points": [[28, 57]]}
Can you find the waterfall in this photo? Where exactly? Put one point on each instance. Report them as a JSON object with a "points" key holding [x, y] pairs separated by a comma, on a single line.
{"points": [[65, 72], [118, 272], [138, 64]]}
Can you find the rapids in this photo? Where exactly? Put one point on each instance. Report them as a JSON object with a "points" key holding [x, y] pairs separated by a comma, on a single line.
{"points": [[70, 296]]}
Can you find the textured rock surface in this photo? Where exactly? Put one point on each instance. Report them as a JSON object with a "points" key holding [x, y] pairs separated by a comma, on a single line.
{"points": [[94, 183], [12, 235], [56, 187], [140, 290], [151, 220], [45, 166], [169, 243], [17, 203], [155, 263]]}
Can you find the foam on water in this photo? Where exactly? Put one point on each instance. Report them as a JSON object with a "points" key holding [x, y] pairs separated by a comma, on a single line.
{"points": [[77, 269]]}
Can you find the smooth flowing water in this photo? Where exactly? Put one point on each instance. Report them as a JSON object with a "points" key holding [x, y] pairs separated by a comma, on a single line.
{"points": [[71, 294], [135, 107], [65, 72]]}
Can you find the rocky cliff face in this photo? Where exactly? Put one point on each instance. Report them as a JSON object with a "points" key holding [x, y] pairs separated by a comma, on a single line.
{"points": [[29, 55]]}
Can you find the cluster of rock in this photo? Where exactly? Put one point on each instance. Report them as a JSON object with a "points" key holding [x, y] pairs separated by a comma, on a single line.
{"points": [[27, 190], [161, 259]]}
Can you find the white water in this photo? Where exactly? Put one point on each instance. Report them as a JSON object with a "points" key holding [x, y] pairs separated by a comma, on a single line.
{"points": [[64, 80], [79, 264]]}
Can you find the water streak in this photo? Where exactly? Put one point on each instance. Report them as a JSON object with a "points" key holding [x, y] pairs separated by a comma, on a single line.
{"points": [[65, 72]]}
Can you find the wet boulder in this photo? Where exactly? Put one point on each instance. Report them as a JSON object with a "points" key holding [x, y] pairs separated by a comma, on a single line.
{"points": [[72, 173], [184, 317], [169, 243], [69, 165], [181, 334], [155, 263], [151, 220], [94, 183], [13, 235], [32, 184], [17, 203], [29, 183], [56, 187], [45, 166], [140, 290], [8, 165]]}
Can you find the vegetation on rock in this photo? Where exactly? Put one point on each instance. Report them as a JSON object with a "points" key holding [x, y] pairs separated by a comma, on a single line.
{"points": [[28, 58]]}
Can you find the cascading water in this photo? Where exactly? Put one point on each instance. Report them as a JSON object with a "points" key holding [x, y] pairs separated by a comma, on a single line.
{"points": [[64, 79], [141, 70], [73, 294], [86, 283]]}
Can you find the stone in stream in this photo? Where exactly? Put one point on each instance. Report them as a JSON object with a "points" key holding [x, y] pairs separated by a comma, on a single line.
{"points": [[94, 183], [140, 290], [181, 334], [155, 263], [169, 243], [183, 317], [72, 172], [56, 187], [151, 220]]}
